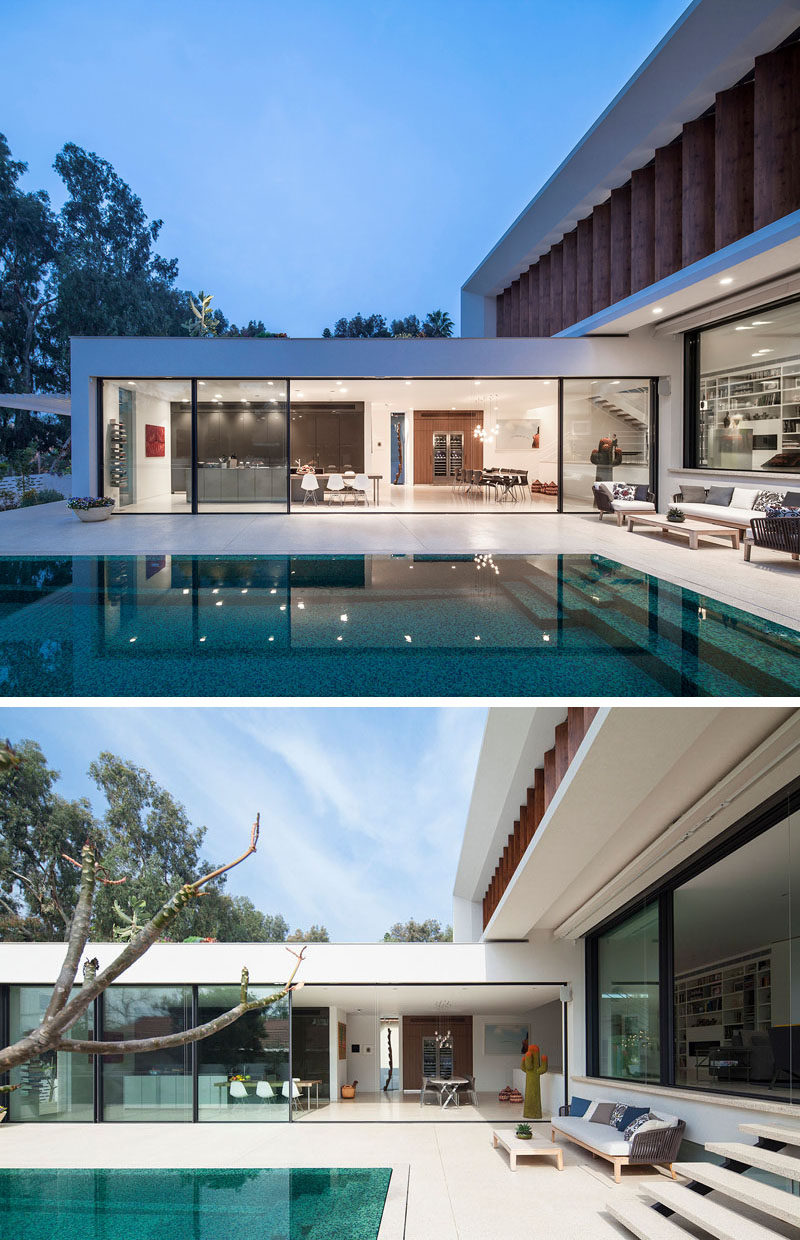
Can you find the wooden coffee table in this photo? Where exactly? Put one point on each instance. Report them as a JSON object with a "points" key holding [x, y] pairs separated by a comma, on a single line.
{"points": [[692, 530], [535, 1148]]}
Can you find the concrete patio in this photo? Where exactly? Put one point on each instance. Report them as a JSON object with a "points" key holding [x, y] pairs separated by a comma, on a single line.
{"points": [[768, 586]]}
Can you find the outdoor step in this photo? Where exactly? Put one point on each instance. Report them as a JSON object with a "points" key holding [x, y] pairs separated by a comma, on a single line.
{"points": [[790, 1133], [774, 1201], [765, 1160], [706, 1212], [643, 1220]]}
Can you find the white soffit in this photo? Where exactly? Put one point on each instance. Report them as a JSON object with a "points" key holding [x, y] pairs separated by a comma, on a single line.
{"points": [[37, 403], [645, 770]]}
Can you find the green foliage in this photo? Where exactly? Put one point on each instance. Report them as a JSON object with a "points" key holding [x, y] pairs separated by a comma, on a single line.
{"points": [[47, 495], [316, 934], [28, 499], [204, 323], [437, 323], [524, 1130], [429, 931]]}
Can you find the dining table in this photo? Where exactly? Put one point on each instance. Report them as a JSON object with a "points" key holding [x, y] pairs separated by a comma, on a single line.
{"points": [[449, 1087], [306, 1085]]}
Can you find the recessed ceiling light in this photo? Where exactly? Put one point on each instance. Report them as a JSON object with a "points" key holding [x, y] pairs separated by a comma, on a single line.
{"points": [[761, 322], [477, 382], [339, 382], [546, 382], [726, 280], [658, 309], [408, 383], [344, 390], [743, 327], [201, 384], [131, 383]]}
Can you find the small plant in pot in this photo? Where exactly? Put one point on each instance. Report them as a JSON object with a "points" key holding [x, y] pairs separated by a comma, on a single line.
{"points": [[524, 1132], [677, 515], [91, 507]]}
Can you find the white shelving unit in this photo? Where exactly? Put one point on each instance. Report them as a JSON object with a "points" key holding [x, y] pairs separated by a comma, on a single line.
{"points": [[711, 1004], [762, 399]]}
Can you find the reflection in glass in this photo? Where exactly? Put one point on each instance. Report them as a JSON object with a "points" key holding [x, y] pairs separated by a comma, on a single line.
{"points": [[243, 1069], [153, 1085], [241, 444], [628, 999], [56, 1085], [607, 436]]}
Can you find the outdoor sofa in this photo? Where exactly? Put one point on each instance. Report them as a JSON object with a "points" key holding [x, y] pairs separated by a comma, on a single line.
{"points": [[728, 505], [622, 499], [638, 1137]]}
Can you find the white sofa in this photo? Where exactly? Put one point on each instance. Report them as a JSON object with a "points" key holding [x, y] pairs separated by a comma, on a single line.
{"points": [[655, 1144], [738, 513], [622, 508]]}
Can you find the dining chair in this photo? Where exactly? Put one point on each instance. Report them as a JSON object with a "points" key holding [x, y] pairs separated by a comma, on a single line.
{"points": [[336, 488], [428, 1086], [290, 1091], [469, 1091], [310, 486], [360, 487], [237, 1090], [264, 1090]]}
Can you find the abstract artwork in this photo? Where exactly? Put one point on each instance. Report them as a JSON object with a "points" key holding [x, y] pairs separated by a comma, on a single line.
{"points": [[504, 1039], [155, 441]]}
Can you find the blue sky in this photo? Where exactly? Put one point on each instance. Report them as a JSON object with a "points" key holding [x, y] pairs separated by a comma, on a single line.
{"points": [[321, 157], [362, 809]]}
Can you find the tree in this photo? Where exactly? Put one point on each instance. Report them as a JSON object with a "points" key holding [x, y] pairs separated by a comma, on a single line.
{"points": [[204, 323], [65, 1008], [407, 328], [360, 327], [429, 931], [437, 323], [317, 934]]}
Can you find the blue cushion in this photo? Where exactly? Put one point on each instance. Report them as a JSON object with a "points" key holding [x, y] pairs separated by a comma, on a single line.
{"points": [[641, 492], [579, 1106], [629, 1115], [780, 510]]}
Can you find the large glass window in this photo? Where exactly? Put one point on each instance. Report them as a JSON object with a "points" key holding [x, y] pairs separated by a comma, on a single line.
{"points": [[241, 445], [607, 436], [628, 999], [243, 1071], [147, 443], [153, 1085], [56, 1085], [749, 393]]}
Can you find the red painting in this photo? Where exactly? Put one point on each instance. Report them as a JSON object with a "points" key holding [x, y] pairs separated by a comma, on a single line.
{"points": [[154, 441]]}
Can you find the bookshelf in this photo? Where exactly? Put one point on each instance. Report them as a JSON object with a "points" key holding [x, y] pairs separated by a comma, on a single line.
{"points": [[712, 1004], [761, 403]]}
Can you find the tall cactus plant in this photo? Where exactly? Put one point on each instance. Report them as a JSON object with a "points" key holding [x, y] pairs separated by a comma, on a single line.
{"points": [[534, 1066]]}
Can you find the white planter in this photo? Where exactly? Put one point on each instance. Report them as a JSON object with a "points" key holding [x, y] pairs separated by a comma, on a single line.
{"points": [[92, 514]]}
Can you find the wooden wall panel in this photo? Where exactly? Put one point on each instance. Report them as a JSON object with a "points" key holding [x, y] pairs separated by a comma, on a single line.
{"points": [[643, 227], [621, 242], [544, 295], [428, 421], [776, 135], [601, 256], [668, 249], [507, 311], [697, 200], [733, 165], [569, 296], [533, 300], [415, 1028], [500, 302], [583, 289], [524, 319], [514, 330], [556, 288]]}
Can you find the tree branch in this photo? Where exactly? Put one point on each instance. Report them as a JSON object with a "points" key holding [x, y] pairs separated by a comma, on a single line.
{"points": [[78, 935]]}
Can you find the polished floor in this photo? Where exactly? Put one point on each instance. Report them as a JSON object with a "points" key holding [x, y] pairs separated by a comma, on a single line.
{"points": [[421, 498], [405, 1108]]}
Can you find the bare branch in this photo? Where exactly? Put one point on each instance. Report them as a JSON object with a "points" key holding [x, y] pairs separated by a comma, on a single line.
{"points": [[223, 869], [78, 935]]}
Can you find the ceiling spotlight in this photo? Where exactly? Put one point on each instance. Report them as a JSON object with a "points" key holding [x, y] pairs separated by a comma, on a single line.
{"points": [[658, 309], [726, 280]]}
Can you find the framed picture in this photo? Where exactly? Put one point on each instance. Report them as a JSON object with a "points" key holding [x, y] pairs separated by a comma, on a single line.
{"points": [[504, 1039], [516, 433], [155, 441], [342, 1031]]}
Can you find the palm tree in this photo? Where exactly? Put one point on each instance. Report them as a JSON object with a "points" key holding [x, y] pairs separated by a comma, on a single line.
{"points": [[437, 323]]}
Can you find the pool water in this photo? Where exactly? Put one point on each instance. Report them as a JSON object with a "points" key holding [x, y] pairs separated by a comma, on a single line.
{"points": [[248, 1204], [324, 626]]}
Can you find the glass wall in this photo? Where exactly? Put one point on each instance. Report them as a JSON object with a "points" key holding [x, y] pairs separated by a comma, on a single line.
{"points": [[628, 1009], [147, 443], [241, 445], [243, 1071], [153, 1085], [607, 436], [57, 1085], [748, 416]]}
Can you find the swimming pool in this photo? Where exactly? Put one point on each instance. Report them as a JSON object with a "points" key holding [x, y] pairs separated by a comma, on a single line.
{"points": [[408, 625], [254, 1204]]}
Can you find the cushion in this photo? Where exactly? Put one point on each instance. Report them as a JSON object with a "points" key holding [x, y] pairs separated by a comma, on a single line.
{"points": [[602, 1113], [619, 1110], [780, 510], [719, 495], [629, 1115], [578, 1106], [767, 499], [624, 490], [792, 499], [633, 505], [695, 495], [642, 491], [608, 487], [637, 1123], [599, 1137], [743, 497]]}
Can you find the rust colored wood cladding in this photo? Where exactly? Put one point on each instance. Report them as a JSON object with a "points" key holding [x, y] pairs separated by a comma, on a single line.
{"points": [[544, 295], [556, 288], [524, 319], [549, 776], [697, 198], [533, 300], [621, 242], [643, 227], [569, 294], [507, 312], [415, 1028], [500, 303], [538, 796], [601, 256], [514, 328], [561, 749], [583, 289], [428, 422], [668, 249], [776, 135], [733, 164]]}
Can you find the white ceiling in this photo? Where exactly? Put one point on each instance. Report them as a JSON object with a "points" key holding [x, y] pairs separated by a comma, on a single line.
{"points": [[733, 344], [473, 1000]]}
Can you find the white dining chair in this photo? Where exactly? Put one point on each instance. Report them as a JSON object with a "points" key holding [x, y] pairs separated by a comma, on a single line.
{"points": [[237, 1089], [309, 486], [360, 486], [264, 1090], [290, 1091], [336, 488]]}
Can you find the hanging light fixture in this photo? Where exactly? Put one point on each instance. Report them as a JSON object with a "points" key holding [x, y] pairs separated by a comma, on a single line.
{"points": [[442, 1038], [488, 432]]}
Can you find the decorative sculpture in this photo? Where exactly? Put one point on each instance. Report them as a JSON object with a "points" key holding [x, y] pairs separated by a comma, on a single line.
{"points": [[534, 1066]]}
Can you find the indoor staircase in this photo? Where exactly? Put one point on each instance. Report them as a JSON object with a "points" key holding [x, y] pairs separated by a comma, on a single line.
{"points": [[671, 1205]]}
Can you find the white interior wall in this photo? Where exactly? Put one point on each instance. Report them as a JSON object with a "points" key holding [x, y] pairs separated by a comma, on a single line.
{"points": [[785, 993], [363, 1065], [152, 475], [377, 438], [541, 462]]}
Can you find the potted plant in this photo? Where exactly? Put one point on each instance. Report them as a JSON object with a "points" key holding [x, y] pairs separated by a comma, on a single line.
{"points": [[676, 515], [91, 507], [524, 1132]]}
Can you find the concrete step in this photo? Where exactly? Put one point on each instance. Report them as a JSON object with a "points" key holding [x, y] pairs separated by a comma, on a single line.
{"points": [[706, 1212], [790, 1133], [644, 1221], [765, 1160], [774, 1201]]}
